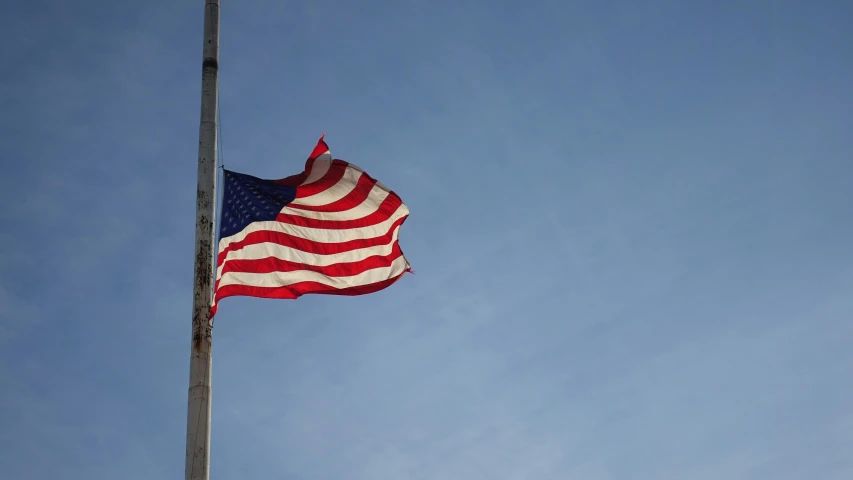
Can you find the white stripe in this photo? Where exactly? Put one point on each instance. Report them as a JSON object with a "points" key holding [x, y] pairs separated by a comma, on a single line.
{"points": [[325, 235], [334, 193], [370, 205], [282, 279], [319, 167], [259, 251]]}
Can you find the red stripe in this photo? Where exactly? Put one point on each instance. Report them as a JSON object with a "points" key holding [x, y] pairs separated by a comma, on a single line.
{"points": [[320, 149], [296, 290], [385, 211], [347, 269], [295, 180], [333, 176], [299, 179], [352, 199], [309, 246]]}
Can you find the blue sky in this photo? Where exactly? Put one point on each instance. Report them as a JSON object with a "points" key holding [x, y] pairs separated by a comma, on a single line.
{"points": [[631, 231]]}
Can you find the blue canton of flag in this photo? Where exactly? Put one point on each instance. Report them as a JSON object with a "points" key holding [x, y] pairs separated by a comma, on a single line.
{"points": [[249, 199]]}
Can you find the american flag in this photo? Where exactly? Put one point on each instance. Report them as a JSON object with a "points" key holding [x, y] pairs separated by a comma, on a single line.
{"points": [[330, 230]]}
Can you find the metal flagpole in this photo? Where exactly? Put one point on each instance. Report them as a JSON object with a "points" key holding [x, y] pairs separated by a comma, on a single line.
{"points": [[198, 404]]}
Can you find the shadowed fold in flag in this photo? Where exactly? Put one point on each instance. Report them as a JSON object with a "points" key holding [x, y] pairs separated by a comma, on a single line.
{"points": [[330, 230]]}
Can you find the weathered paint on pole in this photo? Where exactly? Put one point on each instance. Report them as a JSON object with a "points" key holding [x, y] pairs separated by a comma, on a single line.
{"points": [[198, 409]]}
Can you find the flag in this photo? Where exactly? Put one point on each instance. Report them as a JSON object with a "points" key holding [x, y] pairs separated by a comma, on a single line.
{"points": [[330, 230]]}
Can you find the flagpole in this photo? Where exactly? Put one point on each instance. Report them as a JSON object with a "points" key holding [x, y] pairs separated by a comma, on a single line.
{"points": [[198, 398]]}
